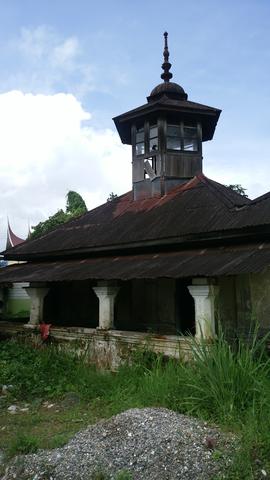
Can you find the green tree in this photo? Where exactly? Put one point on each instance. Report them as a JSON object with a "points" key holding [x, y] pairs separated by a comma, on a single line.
{"points": [[239, 189], [75, 206], [112, 196], [75, 203]]}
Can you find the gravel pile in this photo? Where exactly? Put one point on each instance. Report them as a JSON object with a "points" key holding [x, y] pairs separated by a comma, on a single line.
{"points": [[150, 443]]}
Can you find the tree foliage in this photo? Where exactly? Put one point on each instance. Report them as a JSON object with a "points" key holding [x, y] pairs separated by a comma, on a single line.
{"points": [[75, 206], [111, 197], [238, 189]]}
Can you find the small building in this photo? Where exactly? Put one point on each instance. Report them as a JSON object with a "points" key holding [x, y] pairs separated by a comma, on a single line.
{"points": [[173, 257]]}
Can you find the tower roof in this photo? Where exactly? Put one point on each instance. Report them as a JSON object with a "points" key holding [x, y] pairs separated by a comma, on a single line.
{"points": [[171, 89], [208, 116]]}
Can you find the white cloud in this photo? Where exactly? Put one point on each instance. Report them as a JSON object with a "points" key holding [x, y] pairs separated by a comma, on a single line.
{"points": [[43, 43], [64, 53], [46, 62], [49, 147], [35, 43]]}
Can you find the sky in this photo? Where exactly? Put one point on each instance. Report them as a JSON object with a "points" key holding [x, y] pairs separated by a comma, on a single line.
{"points": [[67, 67]]}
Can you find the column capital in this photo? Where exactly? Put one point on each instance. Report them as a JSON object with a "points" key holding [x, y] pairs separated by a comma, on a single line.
{"points": [[106, 291], [39, 292], [199, 290]]}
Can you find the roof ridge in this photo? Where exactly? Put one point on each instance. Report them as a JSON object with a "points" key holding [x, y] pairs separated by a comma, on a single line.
{"points": [[261, 198], [219, 190]]}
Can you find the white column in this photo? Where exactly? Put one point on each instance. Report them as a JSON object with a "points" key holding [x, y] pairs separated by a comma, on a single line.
{"points": [[106, 295], [204, 298], [37, 295]]}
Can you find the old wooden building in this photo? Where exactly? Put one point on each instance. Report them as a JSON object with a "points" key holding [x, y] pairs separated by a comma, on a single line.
{"points": [[176, 255]]}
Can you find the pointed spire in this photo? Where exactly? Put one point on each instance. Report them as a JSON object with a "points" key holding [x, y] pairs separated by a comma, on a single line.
{"points": [[167, 75], [29, 230]]}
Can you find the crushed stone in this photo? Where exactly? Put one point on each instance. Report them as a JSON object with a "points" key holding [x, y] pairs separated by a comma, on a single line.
{"points": [[149, 443]]}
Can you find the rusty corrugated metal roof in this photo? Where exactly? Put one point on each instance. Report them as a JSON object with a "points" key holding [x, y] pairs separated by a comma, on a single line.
{"points": [[197, 208], [209, 262]]}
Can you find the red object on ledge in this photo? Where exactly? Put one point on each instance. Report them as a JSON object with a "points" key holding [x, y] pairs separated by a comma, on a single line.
{"points": [[45, 330]]}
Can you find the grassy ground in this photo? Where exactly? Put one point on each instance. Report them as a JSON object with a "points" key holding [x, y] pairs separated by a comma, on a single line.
{"points": [[224, 385]]}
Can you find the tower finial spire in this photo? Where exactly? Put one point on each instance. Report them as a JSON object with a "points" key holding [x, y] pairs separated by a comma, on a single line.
{"points": [[167, 75]]}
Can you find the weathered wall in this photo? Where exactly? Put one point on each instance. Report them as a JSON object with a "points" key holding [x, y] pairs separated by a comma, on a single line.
{"points": [[243, 304], [235, 307], [226, 308], [260, 297], [106, 349]]}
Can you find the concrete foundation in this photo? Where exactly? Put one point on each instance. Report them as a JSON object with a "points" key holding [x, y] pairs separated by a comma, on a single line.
{"points": [[104, 348]]}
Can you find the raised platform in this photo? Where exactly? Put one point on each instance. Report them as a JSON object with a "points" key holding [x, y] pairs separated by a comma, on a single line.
{"points": [[105, 348]]}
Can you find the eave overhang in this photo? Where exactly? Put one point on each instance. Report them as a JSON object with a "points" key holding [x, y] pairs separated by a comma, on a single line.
{"points": [[204, 240], [207, 262], [208, 116]]}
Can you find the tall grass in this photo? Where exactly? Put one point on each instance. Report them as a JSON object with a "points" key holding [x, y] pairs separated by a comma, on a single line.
{"points": [[225, 381]]}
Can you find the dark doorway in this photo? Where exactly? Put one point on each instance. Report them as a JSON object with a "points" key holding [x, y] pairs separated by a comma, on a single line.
{"points": [[185, 308], [123, 307], [146, 305], [71, 304]]}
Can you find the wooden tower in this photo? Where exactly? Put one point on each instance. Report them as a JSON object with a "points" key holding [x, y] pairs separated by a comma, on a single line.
{"points": [[166, 135]]}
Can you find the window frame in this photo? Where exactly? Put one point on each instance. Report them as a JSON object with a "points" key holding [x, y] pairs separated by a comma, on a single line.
{"points": [[138, 131], [182, 125], [146, 128]]}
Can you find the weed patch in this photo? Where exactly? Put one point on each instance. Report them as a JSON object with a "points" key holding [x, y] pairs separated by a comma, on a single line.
{"points": [[23, 444]]}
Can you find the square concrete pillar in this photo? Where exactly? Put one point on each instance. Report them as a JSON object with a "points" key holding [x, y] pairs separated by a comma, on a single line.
{"points": [[106, 295], [37, 295], [204, 299]]}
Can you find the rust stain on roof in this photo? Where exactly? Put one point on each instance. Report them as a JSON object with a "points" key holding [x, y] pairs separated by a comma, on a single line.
{"points": [[127, 204], [196, 209]]}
